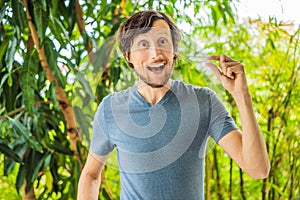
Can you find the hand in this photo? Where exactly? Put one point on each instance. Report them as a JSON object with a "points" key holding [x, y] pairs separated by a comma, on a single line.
{"points": [[230, 73]]}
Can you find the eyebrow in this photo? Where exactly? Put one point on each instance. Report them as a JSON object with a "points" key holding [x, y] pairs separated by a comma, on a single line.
{"points": [[158, 33]]}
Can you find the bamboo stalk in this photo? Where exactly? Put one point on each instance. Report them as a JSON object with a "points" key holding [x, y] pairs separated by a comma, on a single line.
{"points": [[208, 170], [218, 178], [242, 185], [230, 179]]}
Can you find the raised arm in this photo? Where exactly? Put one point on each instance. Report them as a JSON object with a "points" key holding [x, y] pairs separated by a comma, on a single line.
{"points": [[248, 148], [90, 178]]}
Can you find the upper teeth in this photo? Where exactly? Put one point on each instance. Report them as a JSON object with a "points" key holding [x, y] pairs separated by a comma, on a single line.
{"points": [[157, 66]]}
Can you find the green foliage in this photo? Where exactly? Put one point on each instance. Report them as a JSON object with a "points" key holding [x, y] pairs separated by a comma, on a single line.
{"points": [[33, 129]]}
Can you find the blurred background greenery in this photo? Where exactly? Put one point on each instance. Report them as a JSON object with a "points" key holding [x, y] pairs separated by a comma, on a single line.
{"points": [[58, 59]]}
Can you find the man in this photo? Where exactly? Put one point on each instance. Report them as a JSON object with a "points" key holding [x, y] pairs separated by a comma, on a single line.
{"points": [[160, 126]]}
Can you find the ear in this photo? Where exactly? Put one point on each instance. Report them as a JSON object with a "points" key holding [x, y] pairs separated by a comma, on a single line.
{"points": [[127, 57], [175, 58]]}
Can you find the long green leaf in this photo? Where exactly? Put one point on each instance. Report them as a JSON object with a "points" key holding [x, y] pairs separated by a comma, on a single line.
{"points": [[115, 72], [38, 18], [10, 153], [21, 177], [10, 53], [18, 14], [3, 48], [102, 55], [58, 30], [58, 147], [55, 5], [3, 10], [85, 85], [28, 82], [53, 95], [83, 122], [37, 161], [21, 130], [71, 17], [41, 19], [9, 165], [51, 56]]}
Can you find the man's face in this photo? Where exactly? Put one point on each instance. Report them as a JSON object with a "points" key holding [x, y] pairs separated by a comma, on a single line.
{"points": [[152, 55]]}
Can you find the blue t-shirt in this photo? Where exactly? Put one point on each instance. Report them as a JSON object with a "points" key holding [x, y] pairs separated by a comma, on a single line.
{"points": [[160, 148]]}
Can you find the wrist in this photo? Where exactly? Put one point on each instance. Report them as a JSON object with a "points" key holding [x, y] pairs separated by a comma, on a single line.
{"points": [[242, 97]]}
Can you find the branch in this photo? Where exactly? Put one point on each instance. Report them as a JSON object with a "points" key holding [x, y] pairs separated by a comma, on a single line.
{"points": [[12, 113], [81, 26]]}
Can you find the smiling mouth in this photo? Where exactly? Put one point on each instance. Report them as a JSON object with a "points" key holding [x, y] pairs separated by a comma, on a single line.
{"points": [[157, 68]]}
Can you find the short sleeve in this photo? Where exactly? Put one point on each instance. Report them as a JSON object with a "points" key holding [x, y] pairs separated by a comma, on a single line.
{"points": [[221, 122], [100, 144]]}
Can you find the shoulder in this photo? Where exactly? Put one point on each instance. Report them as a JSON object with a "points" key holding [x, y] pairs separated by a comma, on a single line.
{"points": [[118, 97], [115, 99]]}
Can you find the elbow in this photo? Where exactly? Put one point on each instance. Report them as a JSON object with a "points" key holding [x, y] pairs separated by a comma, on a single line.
{"points": [[261, 172], [260, 175]]}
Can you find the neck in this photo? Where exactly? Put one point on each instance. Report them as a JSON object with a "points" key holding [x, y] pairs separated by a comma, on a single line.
{"points": [[153, 94]]}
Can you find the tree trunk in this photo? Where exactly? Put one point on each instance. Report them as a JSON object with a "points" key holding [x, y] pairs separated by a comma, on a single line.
{"points": [[28, 196], [66, 108]]}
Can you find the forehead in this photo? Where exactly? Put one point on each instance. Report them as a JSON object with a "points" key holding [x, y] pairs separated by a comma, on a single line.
{"points": [[159, 28], [160, 24]]}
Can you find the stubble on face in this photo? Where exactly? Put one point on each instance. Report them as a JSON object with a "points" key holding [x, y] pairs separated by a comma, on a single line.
{"points": [[163, 79]]}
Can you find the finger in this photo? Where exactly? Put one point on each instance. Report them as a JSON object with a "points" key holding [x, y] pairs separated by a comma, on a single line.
{"points": [[230, 72], [220, 58], [215, 57], [234, 70], [226, 58], [215, 69], [222, 64], [229, 64]]}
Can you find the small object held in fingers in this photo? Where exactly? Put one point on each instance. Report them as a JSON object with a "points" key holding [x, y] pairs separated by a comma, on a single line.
{"points": [[199, 59]]}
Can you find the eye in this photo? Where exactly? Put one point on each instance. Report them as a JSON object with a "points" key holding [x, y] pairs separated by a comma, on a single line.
{"points": [[163, 41], [143, 43]]}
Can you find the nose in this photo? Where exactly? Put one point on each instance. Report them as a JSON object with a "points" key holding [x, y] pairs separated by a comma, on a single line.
{"points": [[154, 52]]}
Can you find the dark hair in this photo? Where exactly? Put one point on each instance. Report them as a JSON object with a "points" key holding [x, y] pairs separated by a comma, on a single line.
{"points": [[141, 22]]}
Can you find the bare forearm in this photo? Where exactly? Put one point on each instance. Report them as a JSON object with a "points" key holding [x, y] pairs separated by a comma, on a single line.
{"points": [[88, 187], [254, 152]]}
